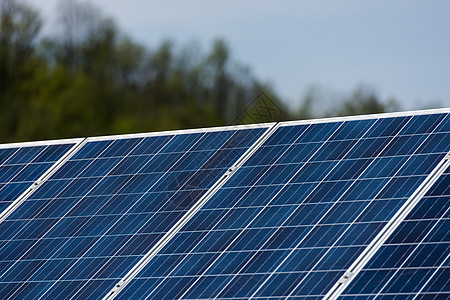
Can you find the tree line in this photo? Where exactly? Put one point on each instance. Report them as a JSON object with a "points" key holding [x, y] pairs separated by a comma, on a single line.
{"points": [[88, 78]]}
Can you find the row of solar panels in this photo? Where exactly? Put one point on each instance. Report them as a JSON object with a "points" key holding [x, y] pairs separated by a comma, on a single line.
{"points": [[352, 207]]}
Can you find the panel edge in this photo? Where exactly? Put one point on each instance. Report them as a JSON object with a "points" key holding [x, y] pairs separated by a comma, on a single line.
{"points": [[368, 116], [179, 131], [41, 143]]}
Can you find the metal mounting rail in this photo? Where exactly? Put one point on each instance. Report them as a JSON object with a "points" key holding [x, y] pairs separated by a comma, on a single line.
{"points": [[189, 214], [388, 229], [14, 205]]}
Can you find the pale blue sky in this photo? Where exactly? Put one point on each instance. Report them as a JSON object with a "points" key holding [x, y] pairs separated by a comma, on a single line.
{"points": [[399, 47]]}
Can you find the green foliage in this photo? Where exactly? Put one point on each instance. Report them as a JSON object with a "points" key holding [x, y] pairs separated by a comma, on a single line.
{"points": [[91, 79], [19, 26]]}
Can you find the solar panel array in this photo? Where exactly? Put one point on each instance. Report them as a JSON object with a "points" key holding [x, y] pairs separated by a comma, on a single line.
{"points": [[296, 215], [107, 206], [271, 211]]}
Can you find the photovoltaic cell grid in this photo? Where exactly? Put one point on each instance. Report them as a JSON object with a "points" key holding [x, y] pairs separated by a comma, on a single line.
{"points": [[294, 217], [87, 226], [20, 167], [414, 263]]}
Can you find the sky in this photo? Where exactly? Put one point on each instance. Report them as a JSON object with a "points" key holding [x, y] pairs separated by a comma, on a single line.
{"points": [[399, 48]]}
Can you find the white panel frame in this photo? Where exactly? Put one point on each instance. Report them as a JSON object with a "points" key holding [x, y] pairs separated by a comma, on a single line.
{"points": [[78, 143], [41, 143], [368, 116], [178, 132]]}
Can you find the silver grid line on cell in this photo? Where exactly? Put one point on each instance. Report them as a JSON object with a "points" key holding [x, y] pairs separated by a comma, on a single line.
{"points": [[325, 214], [384, 234], [170, 234]]}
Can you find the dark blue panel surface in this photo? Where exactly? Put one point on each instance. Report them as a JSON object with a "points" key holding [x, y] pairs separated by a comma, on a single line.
{"points": [[415, 260], [89, 224], [20, 167], [298, 213]]}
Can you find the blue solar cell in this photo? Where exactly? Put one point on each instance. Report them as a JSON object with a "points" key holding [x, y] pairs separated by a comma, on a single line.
{"points": [[94, 149], [421, 164], [52, 153], [24, 155], [285, 135], [425, 123], [368, 148], [88, 224], [119, 148], [315, 133], [20, 167], [352, 130], [444, 126], [387, 127], [383, 167], [348, 169], [437, 142], [414, 261], [329, 188], [150, 146], [403, 145], [333, 150], [6, 153]]}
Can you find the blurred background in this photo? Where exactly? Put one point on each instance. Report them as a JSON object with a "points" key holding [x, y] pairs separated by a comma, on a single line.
{"points": [[73, 68]]}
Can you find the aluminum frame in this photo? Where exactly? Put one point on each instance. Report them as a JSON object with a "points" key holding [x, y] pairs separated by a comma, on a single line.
{"points": [[366, 117], [178, 132], [40, 143]]}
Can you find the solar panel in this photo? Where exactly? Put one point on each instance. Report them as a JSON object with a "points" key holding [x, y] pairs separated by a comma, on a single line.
{"points": [[94, 218], [414, 263], [23, 164], [294, 217]]}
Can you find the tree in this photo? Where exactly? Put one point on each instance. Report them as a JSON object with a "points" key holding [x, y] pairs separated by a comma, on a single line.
{"points": [[217, 63], [19, 28], [86, 39], [88, 79]]}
